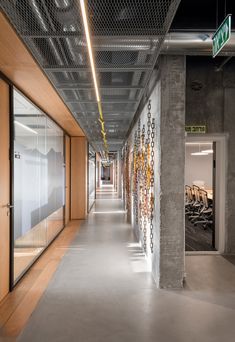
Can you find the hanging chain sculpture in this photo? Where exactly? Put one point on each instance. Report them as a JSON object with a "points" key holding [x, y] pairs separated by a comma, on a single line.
{"points": [[152, 184], [127, 177], [143, 178], [135, 177]]}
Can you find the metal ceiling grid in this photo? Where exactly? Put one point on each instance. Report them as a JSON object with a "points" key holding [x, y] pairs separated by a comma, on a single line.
{"points": [[126, 39]]}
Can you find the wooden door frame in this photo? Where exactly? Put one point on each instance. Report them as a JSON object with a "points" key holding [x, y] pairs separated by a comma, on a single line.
{"points": [[12, 86]]}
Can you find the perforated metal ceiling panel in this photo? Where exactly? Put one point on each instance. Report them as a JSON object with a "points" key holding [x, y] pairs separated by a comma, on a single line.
{"points": [[126, 38]]}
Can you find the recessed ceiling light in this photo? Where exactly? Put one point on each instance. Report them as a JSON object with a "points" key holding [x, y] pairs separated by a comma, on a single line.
{"points": [[199, 154], [208, 151]]}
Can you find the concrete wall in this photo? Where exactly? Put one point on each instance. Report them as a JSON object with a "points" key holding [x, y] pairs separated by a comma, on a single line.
{"points": [[172, 142], [214, 105], [168, 109], [204, 94]]}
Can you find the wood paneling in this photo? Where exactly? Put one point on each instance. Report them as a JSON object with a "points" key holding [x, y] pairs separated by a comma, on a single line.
{"points": [[78, 178], [4, 190], [20, 67], [67, 178], [111, 173]]}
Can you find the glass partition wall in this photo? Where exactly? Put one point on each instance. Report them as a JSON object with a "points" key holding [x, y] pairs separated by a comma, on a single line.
{"points": [[38, 182], [91, 176]]}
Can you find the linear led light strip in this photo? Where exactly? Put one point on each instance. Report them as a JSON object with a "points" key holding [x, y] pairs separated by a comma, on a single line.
{"points": [[88, 39]]}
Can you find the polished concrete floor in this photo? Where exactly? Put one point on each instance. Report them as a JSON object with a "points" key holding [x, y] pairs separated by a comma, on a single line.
{"points": [[102, 291]]}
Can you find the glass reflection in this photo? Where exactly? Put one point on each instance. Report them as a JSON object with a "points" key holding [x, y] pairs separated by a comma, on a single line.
{"points": [[38, 182]]}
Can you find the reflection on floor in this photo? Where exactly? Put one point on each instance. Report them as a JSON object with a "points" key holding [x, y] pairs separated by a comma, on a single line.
{"points": [[23, 257], [197, 238], [103, 291], [106, 191], [29, 246]]}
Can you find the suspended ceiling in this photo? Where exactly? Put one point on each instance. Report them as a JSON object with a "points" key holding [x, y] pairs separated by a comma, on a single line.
{"points": [[126, 36]]}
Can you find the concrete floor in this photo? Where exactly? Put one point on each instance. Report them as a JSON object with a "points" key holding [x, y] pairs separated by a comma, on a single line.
{"points": [[101, 291]]}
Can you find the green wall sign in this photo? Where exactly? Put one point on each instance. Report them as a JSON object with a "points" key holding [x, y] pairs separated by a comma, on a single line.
{"points": [[195, 129], [222, 35]]}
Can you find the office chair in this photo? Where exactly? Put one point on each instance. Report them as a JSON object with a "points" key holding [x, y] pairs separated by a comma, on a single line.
{"points": [[205, 216], [189, 200], [197, 205]]}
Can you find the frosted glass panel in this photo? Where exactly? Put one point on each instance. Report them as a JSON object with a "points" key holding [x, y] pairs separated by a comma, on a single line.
{"points": [[38, 182]]}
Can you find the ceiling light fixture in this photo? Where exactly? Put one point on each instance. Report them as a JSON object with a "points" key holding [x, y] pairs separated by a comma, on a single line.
{"points": [[208, 151], [25, 127], [199, 154], [88, 39]]}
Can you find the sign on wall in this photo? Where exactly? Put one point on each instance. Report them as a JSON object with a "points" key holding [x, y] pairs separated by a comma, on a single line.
{"points": [[221, 36], [195, 129]]}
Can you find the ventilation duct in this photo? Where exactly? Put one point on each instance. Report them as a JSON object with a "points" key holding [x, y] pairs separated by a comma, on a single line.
{"points": [[194, 43]]}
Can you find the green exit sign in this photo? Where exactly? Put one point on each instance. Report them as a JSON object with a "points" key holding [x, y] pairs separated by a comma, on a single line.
{"points": [[222, 35]]}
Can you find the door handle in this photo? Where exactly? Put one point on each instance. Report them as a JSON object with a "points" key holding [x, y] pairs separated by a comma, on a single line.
{"points": [[9, 206]]}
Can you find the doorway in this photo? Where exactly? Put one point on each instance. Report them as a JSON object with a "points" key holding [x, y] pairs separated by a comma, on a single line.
{"points": [[205, 166]]}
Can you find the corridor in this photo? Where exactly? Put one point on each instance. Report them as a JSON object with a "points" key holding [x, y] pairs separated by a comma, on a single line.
{"points": [[103, 291], [117, 180]]}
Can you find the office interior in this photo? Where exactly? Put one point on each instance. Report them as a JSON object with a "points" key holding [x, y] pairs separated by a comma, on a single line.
{"points": [[107, 205], [199, 199]]}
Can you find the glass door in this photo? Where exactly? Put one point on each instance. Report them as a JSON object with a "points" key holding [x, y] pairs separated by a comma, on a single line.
{"points": [[38, 183]]}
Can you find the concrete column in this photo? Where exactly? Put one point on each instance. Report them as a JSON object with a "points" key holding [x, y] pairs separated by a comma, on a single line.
{"points": [[229, 126], [168, 260]]}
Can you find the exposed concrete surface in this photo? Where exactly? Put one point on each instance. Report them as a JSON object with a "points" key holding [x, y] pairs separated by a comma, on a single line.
{"points": [[168, 110], [172, 143], [229, 126], [204, 94], [102, 292]]}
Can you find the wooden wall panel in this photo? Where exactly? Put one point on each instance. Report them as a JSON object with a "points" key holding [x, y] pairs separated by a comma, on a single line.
{"points": [[67, 178], [4, 190], [111, 173], [78, 178], [20, 67]]}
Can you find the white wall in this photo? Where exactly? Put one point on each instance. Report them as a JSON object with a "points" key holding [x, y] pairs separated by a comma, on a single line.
{"points": [[198, 167]]}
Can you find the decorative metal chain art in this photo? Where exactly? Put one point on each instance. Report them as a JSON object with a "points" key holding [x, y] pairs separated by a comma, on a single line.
{"points": [[127, 177], [143, 178], [135, 177], [152, 184]]}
